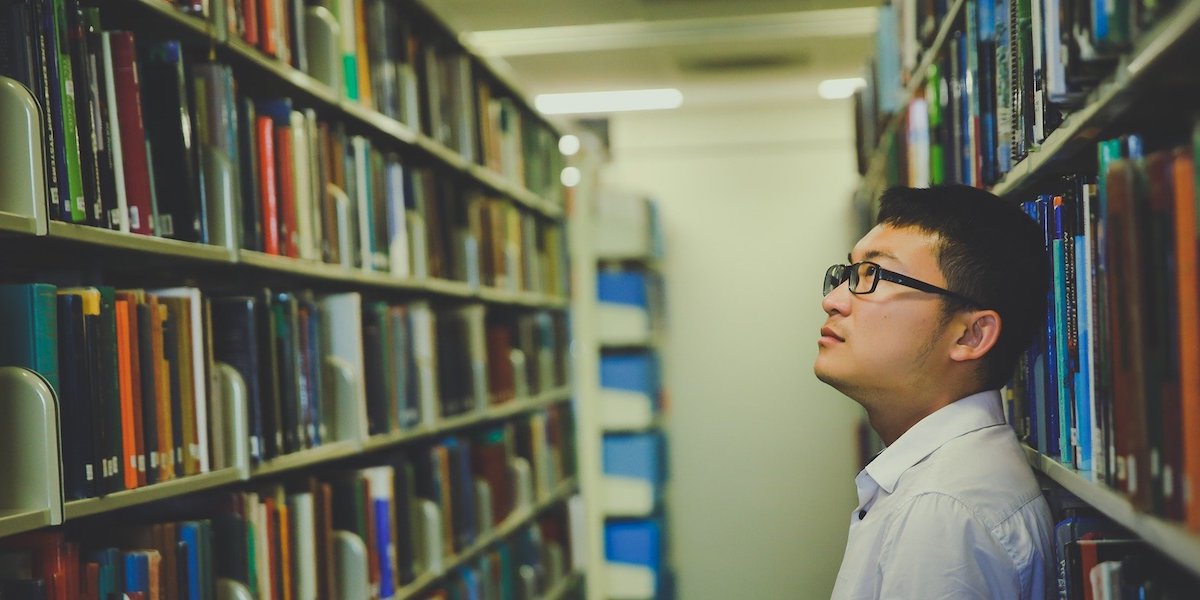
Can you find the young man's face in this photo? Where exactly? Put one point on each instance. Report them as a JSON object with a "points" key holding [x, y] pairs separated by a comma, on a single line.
{"points": [[885, 341]]}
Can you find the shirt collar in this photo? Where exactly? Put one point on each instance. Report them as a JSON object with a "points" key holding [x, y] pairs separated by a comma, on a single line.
{"points": [[972, 413]]}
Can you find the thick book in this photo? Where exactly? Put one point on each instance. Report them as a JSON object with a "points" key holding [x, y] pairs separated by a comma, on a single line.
{"points": [[167, 114], [73, 207], [80, 467], [264, 128], [84, 96], [149, 389], [130, 346]]}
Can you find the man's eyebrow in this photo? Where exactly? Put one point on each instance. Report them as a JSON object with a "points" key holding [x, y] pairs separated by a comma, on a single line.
{"points": [[874, 253]]}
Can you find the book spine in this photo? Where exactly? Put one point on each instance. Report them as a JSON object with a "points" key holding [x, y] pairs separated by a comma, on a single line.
{"points": [[135, 165]]}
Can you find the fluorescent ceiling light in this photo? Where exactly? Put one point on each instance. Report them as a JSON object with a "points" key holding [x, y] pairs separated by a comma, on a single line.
{"points": [[836, 89], [607, 102]]}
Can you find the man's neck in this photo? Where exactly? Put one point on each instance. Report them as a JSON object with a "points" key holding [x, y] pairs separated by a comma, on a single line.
{"points": [[891, 418]]}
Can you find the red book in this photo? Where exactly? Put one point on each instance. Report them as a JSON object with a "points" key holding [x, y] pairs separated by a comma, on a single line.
{"points": [[266, 177], [267, 25], [250, 22], [135, 163], [284, 149]]}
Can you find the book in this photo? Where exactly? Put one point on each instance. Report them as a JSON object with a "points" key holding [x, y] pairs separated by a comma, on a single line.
{"points": [[121, 47], [170, 130]]}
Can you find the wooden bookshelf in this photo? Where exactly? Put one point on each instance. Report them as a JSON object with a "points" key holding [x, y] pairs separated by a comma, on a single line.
{"points": [[1172, 539]]}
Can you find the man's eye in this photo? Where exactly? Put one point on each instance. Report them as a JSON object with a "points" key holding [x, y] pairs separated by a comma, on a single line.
{"points": [[869, 271]]}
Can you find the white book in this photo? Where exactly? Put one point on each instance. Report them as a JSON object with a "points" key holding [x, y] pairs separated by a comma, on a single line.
{"points": [[425, 355], [341, 335], [199, 383], [302, 184], [362, 199], [301, 515], [398, 257], [122, 216]]}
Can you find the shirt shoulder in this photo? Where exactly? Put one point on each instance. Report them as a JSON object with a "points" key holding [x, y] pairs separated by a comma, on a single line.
{"points": [[984, 470]]}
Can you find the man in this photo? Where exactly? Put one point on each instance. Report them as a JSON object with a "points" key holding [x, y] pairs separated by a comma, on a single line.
{"points": [[924, 326]]}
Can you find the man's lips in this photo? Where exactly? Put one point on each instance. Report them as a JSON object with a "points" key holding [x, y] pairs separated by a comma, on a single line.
{"points": [[826, 332]]}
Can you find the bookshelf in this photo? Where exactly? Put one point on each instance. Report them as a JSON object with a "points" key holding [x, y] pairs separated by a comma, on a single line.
{"points": [[1129, 106], [448, 269], [622, 327]]}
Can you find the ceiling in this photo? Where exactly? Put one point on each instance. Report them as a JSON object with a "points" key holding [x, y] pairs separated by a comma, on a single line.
{"points": [[714, 51]]}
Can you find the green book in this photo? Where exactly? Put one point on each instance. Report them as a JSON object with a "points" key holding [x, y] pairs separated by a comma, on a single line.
{"points": [[933, 98], [29, 318], [70, 141]]}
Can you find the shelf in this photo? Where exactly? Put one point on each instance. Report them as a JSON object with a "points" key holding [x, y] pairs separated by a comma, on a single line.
{"points": [[75, 509], [13, 522], [523, 196], [529, 299], [655, 425], [565, 586], [495, 413], [874, 175], [299, 80], [1170, 538], [380, 122], [305, 458], [10, 223], [169, 15], [146, 244], [1106, 103], [640, 261], [641, 343], [514, 522]]}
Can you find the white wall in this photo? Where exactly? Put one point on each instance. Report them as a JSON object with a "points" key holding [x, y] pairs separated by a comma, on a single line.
{"points": [[755, 205]]}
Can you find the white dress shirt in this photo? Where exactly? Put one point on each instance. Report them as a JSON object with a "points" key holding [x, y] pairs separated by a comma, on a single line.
{"points": [[950, 510]]}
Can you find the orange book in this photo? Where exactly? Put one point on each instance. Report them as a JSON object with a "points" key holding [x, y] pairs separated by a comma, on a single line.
{"points": [[129, 450], [286, 580], [1189, 330], [268, 194], [162, 395], [156, 567], [364, 62], [181, 318], [131, 300]]}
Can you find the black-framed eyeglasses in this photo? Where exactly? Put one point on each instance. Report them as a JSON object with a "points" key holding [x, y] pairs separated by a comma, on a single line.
{"points": [[865, 276]]}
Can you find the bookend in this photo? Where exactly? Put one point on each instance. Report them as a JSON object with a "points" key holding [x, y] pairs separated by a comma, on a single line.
{"points": [[22, 160], [342, 401], [483, 506], [228, 589], [30, 452], [219, 204], [522, 478], [431, 534], [324, 56], [231, 448], [350, 556]]}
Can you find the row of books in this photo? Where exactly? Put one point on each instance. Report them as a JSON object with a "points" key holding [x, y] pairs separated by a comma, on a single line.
{"points": [[1099, 561], [352, 533], [390, 57], [136, 371], [1007, 74], [1114, 385], [176, 150]]}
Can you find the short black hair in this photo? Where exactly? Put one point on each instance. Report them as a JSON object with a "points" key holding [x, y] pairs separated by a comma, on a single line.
{"points": [[989, 251]]}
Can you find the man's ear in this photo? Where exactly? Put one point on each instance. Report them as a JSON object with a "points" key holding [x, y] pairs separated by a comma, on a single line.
{"points": [[980, 331]]}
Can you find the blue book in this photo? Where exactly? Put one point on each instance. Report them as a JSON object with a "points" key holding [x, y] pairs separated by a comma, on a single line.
{"points": [[137, 572], [29, 318], [1049, 391], [1063, 391], [189, 533], [1083, 387]]}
